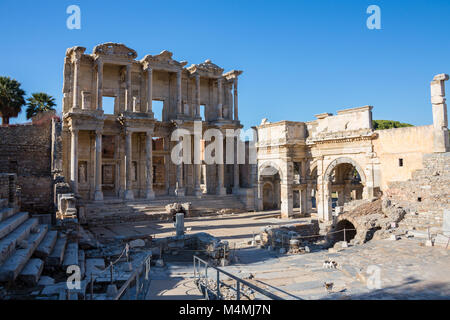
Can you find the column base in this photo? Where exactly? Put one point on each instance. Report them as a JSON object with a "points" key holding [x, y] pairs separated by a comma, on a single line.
{"points": [[236, 190], [198, 192], [221, 191], [150, 195], [179, 192], [129, 195], [98, 196]]}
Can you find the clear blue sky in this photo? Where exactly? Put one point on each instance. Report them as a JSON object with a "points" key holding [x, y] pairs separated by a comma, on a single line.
{"points": [[299, 58]]}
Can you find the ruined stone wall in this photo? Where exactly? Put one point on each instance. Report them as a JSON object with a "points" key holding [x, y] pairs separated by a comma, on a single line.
{"points": [[26, 151], [408, 144], [426, 194]]}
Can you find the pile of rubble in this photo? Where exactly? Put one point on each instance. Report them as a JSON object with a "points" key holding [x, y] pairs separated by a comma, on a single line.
{"points": [[292, 239], [377, 219]]}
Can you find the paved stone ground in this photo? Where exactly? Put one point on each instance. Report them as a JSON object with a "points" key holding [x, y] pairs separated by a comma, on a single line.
{"points": [[407, 269]]}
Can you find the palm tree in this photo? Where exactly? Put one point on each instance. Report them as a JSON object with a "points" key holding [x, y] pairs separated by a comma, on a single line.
{"points": [[39, 102], [11, 98]]}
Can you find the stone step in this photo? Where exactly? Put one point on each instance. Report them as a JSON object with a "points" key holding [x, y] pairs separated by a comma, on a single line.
{"points": [[9, 243], [14, 265], [31, 272], [82, 262], [6, 213], [46, 246], [56, 257], [7, 226], [71, 255]]}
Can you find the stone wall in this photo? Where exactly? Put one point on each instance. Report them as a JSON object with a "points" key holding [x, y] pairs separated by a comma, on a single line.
{"points": [[426, 194], [26, 150]]}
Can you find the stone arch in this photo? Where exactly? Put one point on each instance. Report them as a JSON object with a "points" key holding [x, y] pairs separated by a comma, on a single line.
{"points": [[344, 160], [267, 165]]}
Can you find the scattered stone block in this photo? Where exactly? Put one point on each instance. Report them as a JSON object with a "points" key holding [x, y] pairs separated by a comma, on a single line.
{"points": [[429, 243], [31, 272], [394, 237], [46, 280], [57, 256], [46, 246], [138, 243]]}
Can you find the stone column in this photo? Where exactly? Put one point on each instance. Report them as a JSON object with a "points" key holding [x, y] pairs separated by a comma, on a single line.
{"points": [[308, 197], [99, 84], [347, 190], [236, 184], [197, 169], [197, 96], [220, 167], [128, 99], [128, 152], [76, 88], [287, 205], [440, 119], [150, 194], [167, 165], [235, 94], [98, 195], [149, 89], [179, 190], [74, 160], [179, 107], [303, 201], [219, 98]]}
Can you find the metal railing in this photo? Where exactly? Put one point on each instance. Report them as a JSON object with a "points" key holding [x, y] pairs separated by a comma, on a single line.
{"points": [[137, 285], [202, 281]]}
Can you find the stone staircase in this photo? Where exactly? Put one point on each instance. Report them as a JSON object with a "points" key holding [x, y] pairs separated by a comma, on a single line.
{"points": [[112, 211], [27, 249]]}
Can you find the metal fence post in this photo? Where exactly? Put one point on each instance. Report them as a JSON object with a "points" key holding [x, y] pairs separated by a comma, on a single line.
{"points": [[238, 290], [344, 236], [218, 285]]}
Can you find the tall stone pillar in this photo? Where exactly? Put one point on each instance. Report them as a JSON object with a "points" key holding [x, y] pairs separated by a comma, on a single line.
{"points": [[128, 99], [76, 82], [149, 89], [179, 107], [308, 196], [235, 94], [99, 84], [324, 210], [287, 203], [441, 141], [74, 160], [303, 201], [197, 96], [98, 195], [128, 152], [220, 179], [286, 193], [179, 190], [236, 184], [219, 98], [150, 194]]}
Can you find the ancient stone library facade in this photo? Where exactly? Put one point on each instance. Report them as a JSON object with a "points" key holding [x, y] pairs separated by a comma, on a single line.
{"points": [[126, 153], [114, 141]]}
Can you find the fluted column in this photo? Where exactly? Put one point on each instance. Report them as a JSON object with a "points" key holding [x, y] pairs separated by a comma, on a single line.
{"points": [[128, 190], [235, 94], [98, 195], [74, 160], [128, 99], [150, 194], [99, 84], [219, 100], [197, 96], [179, 109], [76, 89], [149, 89]]}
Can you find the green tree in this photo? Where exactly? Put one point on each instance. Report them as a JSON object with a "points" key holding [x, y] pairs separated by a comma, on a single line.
{"points": [[11, 98], [39, 102], [388, 124]]}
